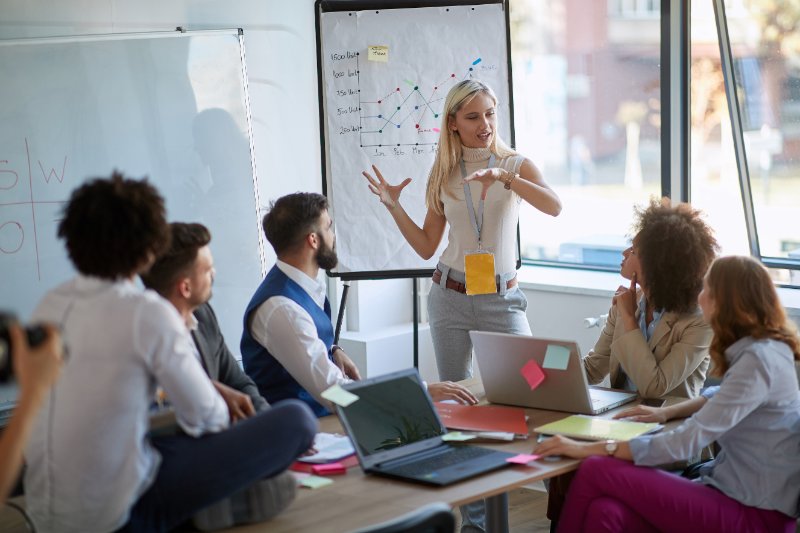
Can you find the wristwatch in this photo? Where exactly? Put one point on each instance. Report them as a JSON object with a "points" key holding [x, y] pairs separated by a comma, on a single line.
{"points": [[509, 177], [611, 447]]}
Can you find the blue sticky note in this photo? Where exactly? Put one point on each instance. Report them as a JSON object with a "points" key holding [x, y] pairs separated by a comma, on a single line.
{"points": [[556, 357]]}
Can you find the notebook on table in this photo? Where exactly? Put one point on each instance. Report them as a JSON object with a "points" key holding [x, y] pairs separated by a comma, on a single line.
{"points": [[594, 428], [396, 432], [483, 418], [502, 358]]}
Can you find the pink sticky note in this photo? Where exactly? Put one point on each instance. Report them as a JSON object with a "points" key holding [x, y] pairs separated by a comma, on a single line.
{"points": [[522, 459], [329, 469], [532, 373]]}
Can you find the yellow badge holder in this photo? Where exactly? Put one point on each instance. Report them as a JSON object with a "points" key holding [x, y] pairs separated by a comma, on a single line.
{"points": [[479, 269], [478, 265]]}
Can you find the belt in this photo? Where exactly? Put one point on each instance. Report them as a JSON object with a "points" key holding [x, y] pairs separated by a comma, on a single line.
{"points": [[460, 287]]}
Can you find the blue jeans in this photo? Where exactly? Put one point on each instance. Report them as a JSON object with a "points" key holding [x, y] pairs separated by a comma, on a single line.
{"points": [[195, 472]]}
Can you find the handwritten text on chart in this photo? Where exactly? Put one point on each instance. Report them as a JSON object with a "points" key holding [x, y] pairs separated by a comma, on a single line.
{"points": [[12, 232], [399, 119]]}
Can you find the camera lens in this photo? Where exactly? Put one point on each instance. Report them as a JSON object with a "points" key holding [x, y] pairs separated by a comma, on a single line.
{"points": [[35, 334]]}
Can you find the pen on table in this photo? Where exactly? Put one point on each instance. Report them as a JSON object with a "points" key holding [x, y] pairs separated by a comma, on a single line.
{"points": [[541, 438]]}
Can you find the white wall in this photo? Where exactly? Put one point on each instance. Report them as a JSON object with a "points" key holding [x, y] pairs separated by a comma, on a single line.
{"points": [[280, 48], [280, 57]]}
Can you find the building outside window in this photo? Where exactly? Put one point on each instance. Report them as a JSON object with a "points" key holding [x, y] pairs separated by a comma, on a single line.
{"points": [[587, 111]]}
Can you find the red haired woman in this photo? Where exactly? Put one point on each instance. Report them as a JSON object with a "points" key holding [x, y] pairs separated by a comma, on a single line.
{"points": [[754, 415]]}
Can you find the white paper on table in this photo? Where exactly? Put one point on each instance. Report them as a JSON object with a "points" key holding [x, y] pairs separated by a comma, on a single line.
{"points": [[330, 447]]}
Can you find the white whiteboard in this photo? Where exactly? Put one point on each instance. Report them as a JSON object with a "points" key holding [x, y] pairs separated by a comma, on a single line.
{"points": [[388, 114], [170, 106]]}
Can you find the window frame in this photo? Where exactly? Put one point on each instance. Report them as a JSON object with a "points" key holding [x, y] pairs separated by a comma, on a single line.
{"points": [[734, 110]]}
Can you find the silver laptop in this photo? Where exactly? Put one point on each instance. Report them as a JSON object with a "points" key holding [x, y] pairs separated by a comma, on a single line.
{"points": [[501, 357], [397, 432]]}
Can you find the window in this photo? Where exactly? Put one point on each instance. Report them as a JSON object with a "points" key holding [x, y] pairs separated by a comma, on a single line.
{"points": [[634, 8], [714, 177], [587, 112], [761, 62]]}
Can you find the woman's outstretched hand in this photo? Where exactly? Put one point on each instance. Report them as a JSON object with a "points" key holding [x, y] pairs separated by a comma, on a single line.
{"points": [[486, 177], [388, 194], [644, 413]]}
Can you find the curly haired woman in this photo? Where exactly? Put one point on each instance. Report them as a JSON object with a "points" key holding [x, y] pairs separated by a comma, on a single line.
{"points": [[655, 341]]}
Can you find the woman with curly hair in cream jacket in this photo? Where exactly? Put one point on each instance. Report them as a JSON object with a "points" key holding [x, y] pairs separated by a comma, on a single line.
{"points": [[655, 341]]}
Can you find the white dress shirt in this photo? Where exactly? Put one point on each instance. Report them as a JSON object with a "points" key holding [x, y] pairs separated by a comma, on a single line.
{"points": [[88, 458], [288, 332]]}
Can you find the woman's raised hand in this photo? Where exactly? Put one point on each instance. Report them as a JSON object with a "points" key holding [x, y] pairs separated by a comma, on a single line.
{"points": [[625, 299], [486, 177], [388, 194]]}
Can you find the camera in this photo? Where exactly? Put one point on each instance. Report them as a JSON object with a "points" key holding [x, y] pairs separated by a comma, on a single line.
{"points": [[36, 335]]}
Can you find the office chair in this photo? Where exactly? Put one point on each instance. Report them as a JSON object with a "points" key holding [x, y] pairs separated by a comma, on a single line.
{"points": [[432, 518]]}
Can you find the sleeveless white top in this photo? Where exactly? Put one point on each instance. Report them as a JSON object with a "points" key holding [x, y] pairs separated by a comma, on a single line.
{"points": [[500, 214]]}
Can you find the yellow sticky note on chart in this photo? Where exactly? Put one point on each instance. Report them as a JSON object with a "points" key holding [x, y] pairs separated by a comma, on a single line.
{"points": [[378, 53], [339, 396]]}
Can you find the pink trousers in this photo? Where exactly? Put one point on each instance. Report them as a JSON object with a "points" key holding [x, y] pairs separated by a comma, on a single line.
{"points": [[609, 494]]}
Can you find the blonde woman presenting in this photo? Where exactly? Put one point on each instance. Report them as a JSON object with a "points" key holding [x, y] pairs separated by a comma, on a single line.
{"points": [[476, 184]]}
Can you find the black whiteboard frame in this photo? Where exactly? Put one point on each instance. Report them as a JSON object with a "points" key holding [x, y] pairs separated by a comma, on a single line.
{"points": [[329, 6]]}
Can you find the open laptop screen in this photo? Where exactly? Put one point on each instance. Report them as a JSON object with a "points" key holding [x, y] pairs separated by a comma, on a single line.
{"points": [[392, 411]]}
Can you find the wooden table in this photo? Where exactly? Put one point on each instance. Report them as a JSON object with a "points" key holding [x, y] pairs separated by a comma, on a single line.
{"points": [[356, 500]]}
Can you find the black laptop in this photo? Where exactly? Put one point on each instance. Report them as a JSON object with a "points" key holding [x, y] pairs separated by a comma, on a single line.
{"points": [[396, 432]]}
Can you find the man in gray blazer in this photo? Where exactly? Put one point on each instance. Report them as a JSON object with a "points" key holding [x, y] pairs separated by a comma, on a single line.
{"points": [[217, 359], [184, 276]]}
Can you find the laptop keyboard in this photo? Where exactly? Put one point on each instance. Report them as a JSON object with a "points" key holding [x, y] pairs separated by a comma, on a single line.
{"points": [[456, 455]]}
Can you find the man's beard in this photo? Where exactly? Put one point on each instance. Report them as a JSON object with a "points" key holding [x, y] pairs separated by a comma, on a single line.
{"points": [[326, 256]]}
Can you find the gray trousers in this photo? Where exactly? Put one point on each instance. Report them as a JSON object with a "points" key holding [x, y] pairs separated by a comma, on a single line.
{"points": [[452, 316]]}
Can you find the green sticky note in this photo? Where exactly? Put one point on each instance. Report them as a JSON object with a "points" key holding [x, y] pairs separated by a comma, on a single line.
{"points": [[315, 482], [339, 396], [457, 436], [556, 357]]}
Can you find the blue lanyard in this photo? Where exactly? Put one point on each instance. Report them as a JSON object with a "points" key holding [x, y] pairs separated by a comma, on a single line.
{"points": [[477, 222]]}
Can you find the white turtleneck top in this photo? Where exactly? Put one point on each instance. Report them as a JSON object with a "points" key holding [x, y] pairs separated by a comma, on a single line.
{"points": [[500, 214]]}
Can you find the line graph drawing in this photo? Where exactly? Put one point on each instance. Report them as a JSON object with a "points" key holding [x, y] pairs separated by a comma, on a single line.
{"points": [[405, 116]]}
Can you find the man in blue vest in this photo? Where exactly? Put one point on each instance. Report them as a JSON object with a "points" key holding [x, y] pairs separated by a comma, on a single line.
{"points": [[287, 344]]}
